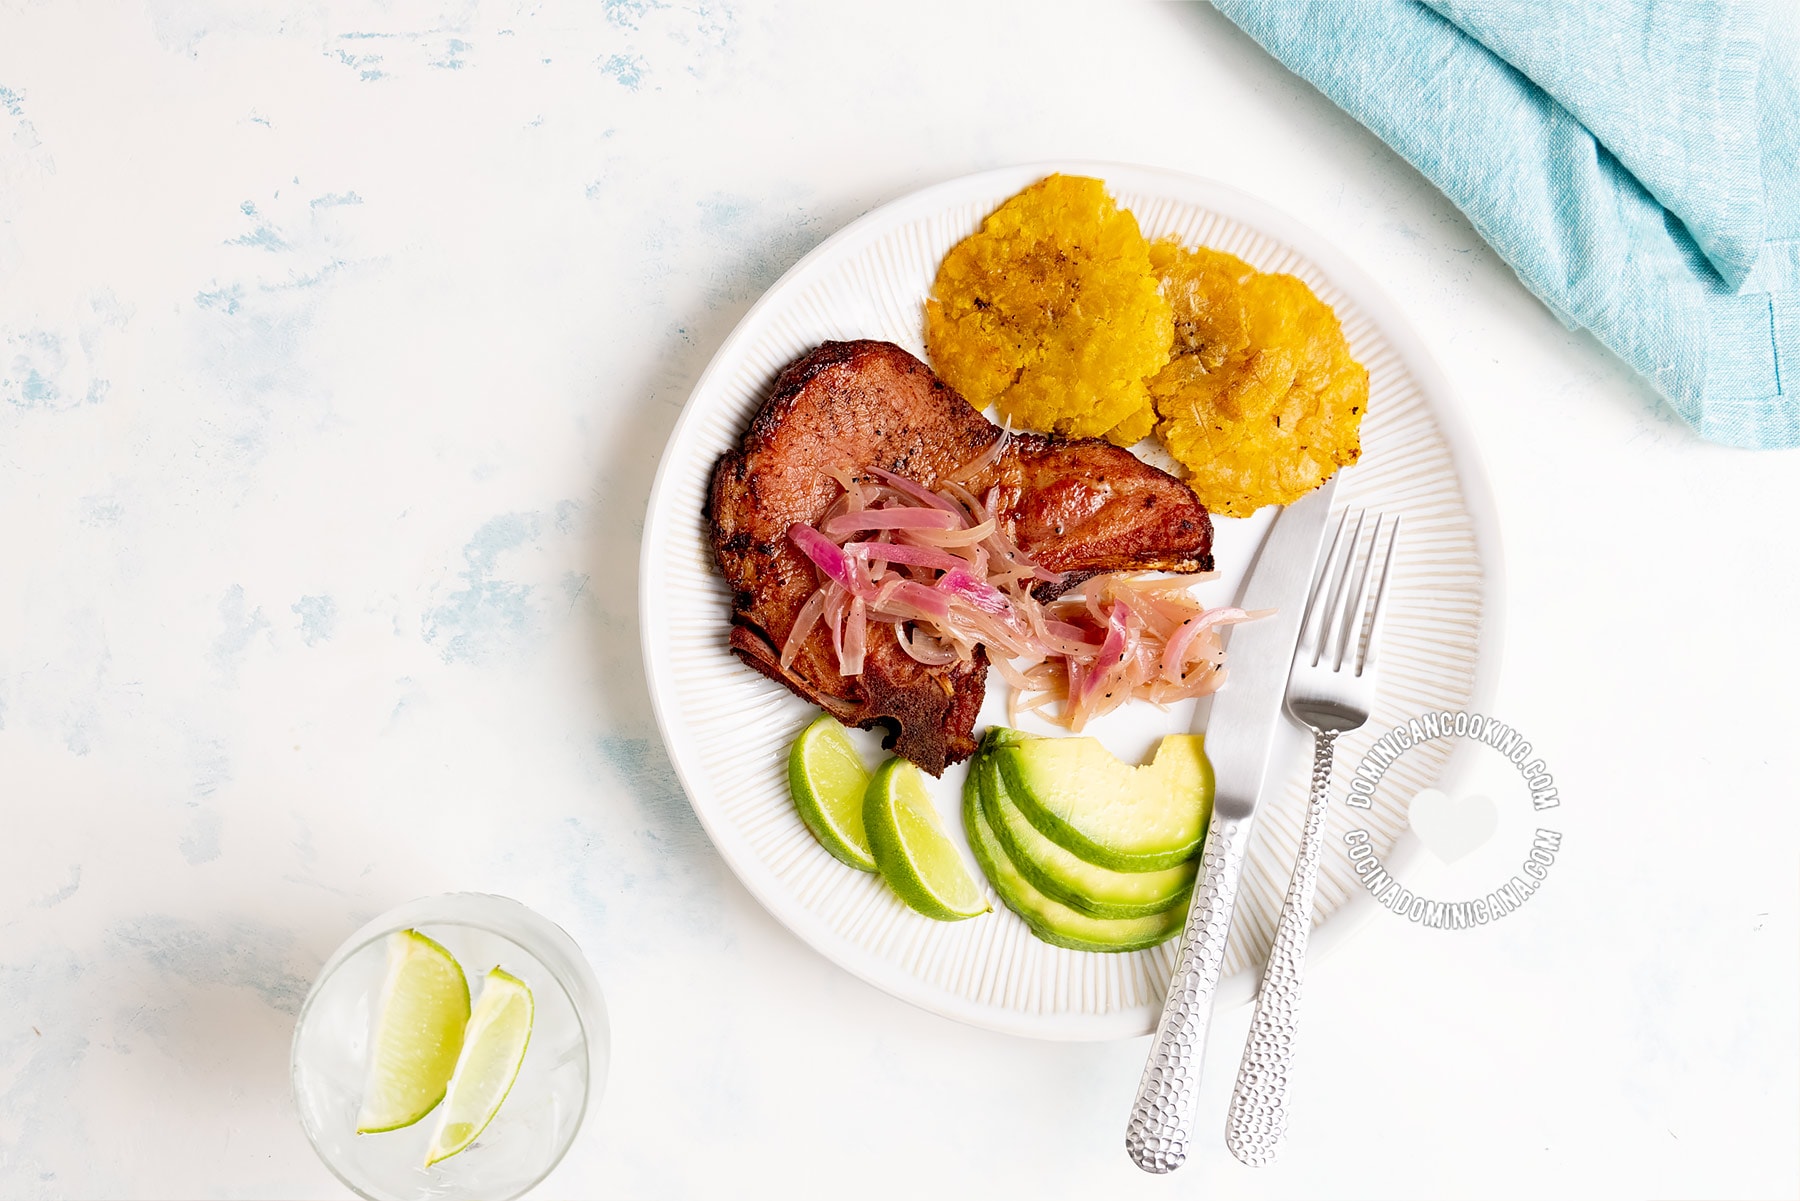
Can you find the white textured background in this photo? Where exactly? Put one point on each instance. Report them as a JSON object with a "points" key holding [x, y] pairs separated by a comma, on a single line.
{"points": [[337, 347]]}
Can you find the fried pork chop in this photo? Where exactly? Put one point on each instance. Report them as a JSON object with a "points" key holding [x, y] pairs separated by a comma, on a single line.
{"points": [[1076, 507]]}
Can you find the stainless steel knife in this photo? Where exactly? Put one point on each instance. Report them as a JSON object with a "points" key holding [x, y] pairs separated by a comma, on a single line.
{"points": [[1239, 735]]}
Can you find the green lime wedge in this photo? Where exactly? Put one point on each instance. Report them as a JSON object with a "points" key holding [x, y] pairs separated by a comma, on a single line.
{"points": [[915, 855], [418, 1033], [828, 779], [493, 1048]]}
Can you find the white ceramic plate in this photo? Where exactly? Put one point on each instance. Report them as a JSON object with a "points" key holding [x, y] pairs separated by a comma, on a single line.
{"points": [[728, 728]]}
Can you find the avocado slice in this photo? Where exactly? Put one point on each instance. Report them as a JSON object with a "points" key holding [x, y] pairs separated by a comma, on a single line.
{"points": [[1050, 920], [1066, 877], [1114, 815]]}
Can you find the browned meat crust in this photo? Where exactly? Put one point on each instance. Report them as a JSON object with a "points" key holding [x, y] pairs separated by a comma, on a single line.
{"points": [[1077, 507]]}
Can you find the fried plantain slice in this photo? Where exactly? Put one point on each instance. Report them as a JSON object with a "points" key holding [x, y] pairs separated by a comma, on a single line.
{"points": [[1276, 416], [1052, 312]]}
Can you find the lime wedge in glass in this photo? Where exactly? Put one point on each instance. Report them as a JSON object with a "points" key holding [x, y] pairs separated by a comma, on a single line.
{"points": [[493, 1048], [418, 1033], [827, 779], [914, 853]]}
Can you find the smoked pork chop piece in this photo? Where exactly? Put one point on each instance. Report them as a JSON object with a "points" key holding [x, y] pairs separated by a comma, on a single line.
{"points": [[1076, 507]]}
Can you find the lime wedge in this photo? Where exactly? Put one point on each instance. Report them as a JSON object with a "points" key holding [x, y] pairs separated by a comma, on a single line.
{"points": [[915, 855], [828, 780], [493, 1048], [418, 1033]]}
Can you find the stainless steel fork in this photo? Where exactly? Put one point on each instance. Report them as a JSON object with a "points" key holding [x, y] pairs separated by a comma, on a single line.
{"points": [[1331, 689]]}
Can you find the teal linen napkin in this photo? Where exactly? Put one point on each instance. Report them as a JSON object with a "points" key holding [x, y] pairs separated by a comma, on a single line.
{"points": [[1637, 162]]}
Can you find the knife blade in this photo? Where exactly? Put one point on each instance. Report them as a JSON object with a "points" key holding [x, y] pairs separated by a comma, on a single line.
{"points": [[1240, 733], [1241, 728]]}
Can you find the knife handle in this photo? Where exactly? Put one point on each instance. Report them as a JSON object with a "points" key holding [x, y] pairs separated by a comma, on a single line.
{"points": [[1162, 1119]]}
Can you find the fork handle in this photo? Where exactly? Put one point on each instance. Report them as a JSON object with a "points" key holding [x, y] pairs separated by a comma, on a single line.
{"points": [[1258, 1120], [1162, 1118]]}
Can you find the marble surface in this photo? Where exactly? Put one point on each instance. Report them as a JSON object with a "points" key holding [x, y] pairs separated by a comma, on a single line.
{"points": [[338, 343]]}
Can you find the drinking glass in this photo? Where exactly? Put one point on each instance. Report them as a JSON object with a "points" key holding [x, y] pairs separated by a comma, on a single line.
{"points": [[562, 1075]]}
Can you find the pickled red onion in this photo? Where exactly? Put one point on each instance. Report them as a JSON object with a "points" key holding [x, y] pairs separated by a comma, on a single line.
{"points": [[889, 519], [898, 552], [950, 582], [825, 554]]}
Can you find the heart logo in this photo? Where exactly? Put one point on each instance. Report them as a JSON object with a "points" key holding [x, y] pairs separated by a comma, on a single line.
{"points": [[1452, 828]]}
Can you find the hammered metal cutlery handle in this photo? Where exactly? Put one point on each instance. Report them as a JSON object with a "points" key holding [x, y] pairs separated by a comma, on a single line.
{"points": [[1163, 1117], [1258, 1120]]}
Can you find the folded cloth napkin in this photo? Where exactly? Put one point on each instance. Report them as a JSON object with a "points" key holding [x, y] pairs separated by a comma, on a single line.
{"points": [[1637, 162]]}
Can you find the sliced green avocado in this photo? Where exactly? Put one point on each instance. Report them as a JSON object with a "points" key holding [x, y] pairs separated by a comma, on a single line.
{"points": [[1114, 815], [1065, 877], [1051, 921]]}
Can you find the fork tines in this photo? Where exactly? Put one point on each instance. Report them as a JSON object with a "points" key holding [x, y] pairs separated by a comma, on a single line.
{"points": [[1338, 617]]}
